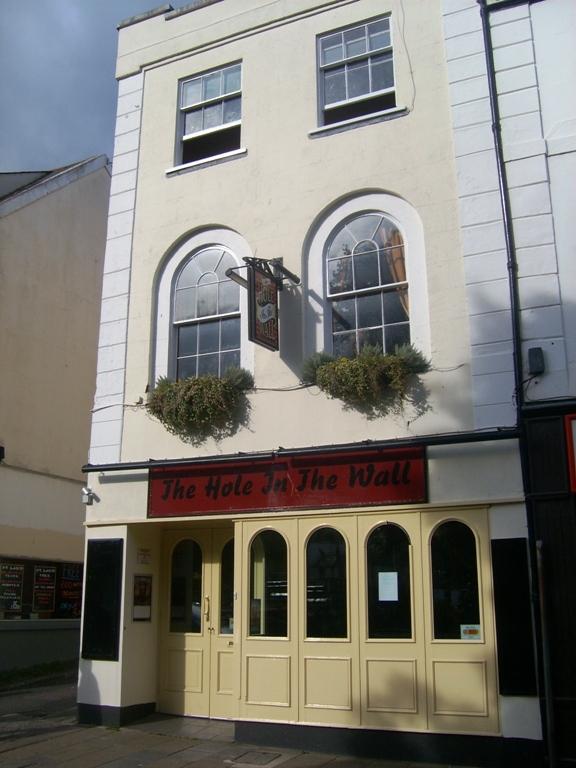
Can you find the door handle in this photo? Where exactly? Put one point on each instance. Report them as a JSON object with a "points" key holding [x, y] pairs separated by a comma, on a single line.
{"points": [[207, 608]]}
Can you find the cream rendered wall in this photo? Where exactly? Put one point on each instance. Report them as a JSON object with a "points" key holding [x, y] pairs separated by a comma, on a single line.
{"points": [[274, 194], [51, 267]]}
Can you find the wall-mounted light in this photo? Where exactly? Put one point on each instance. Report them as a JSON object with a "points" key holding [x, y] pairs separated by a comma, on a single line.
{"points": [[88, 496]]}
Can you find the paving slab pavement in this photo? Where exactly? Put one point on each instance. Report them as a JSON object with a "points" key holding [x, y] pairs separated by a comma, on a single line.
{"points": [[38, 729]]}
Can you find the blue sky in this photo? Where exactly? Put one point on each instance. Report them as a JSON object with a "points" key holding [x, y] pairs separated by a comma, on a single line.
{"points": [[57, 86]]}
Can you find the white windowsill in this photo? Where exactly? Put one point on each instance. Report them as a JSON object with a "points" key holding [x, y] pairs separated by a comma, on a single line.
{"points": [[373, 116], [205, 161]]}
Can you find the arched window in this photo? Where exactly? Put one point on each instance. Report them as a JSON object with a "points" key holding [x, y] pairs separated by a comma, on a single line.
{"points": [[388, 578], [455, 583], [200, 314], [268, 585], [364, 268], [186, 587], [366, 285], [206, 315], [326, 603]]}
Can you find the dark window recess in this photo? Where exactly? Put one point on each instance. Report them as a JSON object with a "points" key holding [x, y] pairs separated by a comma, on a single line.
{"points": [[186, 587], [326, 604], [389, 610], [211, 144], [516, 670], [454, 581], [359, 108], [269, 585], [102, 602], [547, 455], [227, 589]]}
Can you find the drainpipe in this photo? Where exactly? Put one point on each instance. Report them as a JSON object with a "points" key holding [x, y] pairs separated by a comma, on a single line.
{"points": [[535, 550]]}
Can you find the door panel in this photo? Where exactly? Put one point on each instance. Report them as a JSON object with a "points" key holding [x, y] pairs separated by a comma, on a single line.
{"points": [[197, 660], [461, 670], [328, 676], [269, 620], [392, 638]]}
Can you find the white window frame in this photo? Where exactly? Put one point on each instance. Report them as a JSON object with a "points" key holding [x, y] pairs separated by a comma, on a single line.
{"points": [[318, 310], [368, 55], [164, 355], [201, 103]]}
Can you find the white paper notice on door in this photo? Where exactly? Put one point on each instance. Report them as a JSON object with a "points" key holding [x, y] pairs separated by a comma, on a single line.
{"points": [[388, 586]]}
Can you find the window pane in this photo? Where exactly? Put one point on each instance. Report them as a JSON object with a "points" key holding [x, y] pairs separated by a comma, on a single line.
{"points": [[342, 244], [392, 267], [379, 34], [344, 344], [344, 315], [189, 275], [364, 227], [388, 577], [187, 340], [208, 259], [207, 295], [369, 310], [371, 338], [355, 41], [454, 581], [208, 365], [230, 333], [232, 110], [382, 72], [193, 121], [185, 304], [192, 92], [396, 336], [186, 587], [366, 270], [395, 306], [208, 340], [213, 115], [334, 86], [186, 368], [212, 85], [358, 79], [331, 49], [326, 604], [340, 275], [228, 297], [231, 79], [229, 360], [268, 585], [227, 589]]}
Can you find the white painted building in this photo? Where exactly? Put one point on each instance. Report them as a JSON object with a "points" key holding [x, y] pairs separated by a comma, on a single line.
{"points": [[353, 141]]}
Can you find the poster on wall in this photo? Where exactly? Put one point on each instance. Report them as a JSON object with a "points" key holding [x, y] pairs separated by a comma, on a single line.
{"points": [[11, 585], [70, 591], [142, 605], [44, 588]]}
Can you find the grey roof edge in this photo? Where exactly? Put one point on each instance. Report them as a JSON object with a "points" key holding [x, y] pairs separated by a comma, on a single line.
{"points": [[193, 6], [55, 180], [158, 11]]}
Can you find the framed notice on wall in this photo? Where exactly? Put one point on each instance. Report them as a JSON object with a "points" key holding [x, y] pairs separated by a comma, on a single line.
{"points": [[142, 604], [44, 590], [11, 584]]}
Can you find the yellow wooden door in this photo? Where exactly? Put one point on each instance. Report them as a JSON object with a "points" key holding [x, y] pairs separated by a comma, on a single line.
{"points": [[328, 678], [392, 640], [461, 648], [269, 619], [197, 652]]}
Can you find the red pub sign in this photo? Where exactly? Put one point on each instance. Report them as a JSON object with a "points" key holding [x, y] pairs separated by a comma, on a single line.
{"points": [[330, 480]]}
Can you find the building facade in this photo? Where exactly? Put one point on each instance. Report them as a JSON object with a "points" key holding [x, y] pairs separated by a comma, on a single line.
{"points": [[52, 235], [358, 574]]}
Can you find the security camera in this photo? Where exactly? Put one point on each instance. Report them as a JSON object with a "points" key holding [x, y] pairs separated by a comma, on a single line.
{"points": [[87, 496]]}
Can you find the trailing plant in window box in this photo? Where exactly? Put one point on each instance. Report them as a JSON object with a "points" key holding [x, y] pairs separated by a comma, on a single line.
{"points": [[207, 406], [372, 382]]}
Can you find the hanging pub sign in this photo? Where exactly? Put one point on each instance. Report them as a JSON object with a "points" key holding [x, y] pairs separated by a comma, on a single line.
{"points": [[329, 480], [262, 308]]}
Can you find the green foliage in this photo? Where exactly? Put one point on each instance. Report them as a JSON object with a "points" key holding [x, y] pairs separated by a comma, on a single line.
{"points": [[372, 381], [195, 409]]}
